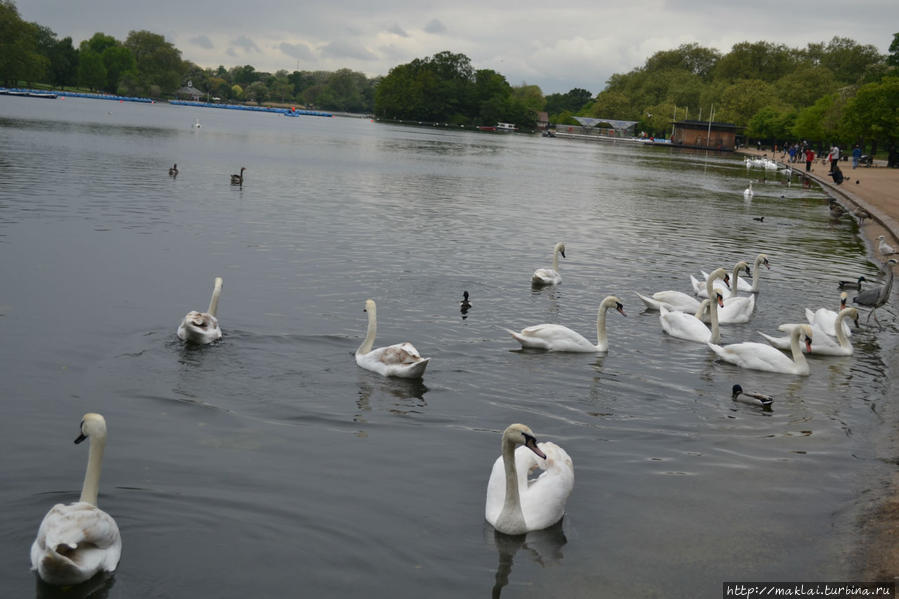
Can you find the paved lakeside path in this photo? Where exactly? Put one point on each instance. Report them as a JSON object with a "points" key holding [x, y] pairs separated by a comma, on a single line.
{"points": [[875, 190]]}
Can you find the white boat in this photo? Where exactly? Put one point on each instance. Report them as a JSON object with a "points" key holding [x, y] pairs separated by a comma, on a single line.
{"points": [[506, 128]]}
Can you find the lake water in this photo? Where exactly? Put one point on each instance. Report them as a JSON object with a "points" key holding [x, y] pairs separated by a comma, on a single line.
{"points": [[270, 465]]}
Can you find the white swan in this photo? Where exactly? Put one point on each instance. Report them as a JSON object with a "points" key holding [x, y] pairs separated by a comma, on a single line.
{"points": [[721, 285], [555, 337], [737, 309], [673, 300], [825, 319], [747, 193], [400, 360], [743, 284], [516, 505], [76, 541], [824, 343], [550, 276], [690, 327], [761, 356], [203, 327]]}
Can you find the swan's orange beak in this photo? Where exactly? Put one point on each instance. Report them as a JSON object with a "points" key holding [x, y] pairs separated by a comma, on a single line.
{"points": [[531, 443]]}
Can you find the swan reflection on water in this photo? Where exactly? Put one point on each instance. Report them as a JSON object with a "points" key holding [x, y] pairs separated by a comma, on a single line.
{"points": [[97, 587], [409, 394], [543, 547]]}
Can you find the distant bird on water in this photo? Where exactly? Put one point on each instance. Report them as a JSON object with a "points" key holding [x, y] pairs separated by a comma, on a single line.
{"points": [[852, 284], [875, 297], [238, 179], [464, 305], [173, 172], [761, 219], [766, 400]]}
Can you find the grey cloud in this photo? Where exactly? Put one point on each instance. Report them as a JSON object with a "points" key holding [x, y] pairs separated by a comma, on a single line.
{"points": [[246, 44], [299, 51], [347, 50], [435, 26], [396, 29], [201, 41]]}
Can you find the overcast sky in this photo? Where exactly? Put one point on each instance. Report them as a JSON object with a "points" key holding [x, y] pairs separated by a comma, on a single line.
{"points": [[556, 45]]}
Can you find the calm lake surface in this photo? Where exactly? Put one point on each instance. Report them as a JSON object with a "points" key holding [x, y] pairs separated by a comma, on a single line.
{"points": [[270, 465]]}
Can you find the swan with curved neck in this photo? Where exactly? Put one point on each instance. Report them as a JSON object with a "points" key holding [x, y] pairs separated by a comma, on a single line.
{"points": [[400, 360], [678, 300], [76, 541], [555, 337], [737, 309], [690, 327], [747, 193], [238, 179], [550, 276], [173, 172], [824, 343], [516, 505], [761, 356], [203, 327]]}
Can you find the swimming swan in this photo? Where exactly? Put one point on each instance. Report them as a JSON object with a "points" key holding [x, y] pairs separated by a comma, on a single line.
{"points": [[203, 327], [550, 276], [825, 319], [690, 327], [76, 541], [516, 505], [747, 193], [555, 337], [173, 172], [673, 300], [400, 360], [760, 356], [824, 343], [742, 284], [238, 179], [737, 309]]}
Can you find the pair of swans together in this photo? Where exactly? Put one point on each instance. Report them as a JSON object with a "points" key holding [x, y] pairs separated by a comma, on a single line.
{"points": [[79, 540]]}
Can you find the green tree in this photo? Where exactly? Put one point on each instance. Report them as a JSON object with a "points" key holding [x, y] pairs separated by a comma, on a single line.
{"points": [[772, 124], [845, 58], [572, 101], [740, 101], [873, 114], [91, 70], [893, 58], [159, 63], [759, 60], [805, 85], [19, 54], [118, 60], [63, 63], [693, 58], [612, 105]]}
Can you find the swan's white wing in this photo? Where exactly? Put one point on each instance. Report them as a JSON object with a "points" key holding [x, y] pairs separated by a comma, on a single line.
{"points": [[400, 360], [678, 300], [546, 276], [778, 342], [199, 327], [652, 304], [736, 310], [755, 356], [75, 542], [553, 337], [543, 502], [684, 326], [826, 320]]}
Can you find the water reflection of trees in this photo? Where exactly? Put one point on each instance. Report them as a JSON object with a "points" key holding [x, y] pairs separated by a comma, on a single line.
{"points": [[544, 547]]}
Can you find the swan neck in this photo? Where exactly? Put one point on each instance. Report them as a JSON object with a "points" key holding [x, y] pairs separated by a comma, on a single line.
{"points": [[91, 487], [602, 340], [370, 333], [512, 501], [713, 320], [798, 356], [216, 292], [733, 282], [842, 339], [755, 275]]}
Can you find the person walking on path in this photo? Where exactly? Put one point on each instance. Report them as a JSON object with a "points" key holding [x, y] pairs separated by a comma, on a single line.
{"points": [[809, 156], [856, 155], [834, 156]]}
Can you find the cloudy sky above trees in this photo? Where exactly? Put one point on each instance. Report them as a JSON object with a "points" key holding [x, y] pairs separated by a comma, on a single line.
{"points": [[556, 45]]}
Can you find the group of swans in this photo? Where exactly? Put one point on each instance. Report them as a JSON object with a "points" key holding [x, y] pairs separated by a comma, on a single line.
{"points": [[691, 327], [824, 342], [79, 540], [765, 163]]}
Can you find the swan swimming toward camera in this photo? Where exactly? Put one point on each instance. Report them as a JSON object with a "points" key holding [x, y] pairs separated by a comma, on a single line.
{"points": [[555, 337], [516, 505], [203, 327], [761, 356], [400, 360], [79, 540], [238, 179], [550, 276], [824, 343]]}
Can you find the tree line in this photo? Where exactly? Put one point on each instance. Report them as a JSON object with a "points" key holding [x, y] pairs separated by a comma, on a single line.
{"points": [[145, 64]]}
